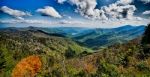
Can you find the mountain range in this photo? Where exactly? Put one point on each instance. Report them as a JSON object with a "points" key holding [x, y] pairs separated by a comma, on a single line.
{"points": [[99, 37], [93, 37], [56, 52]]}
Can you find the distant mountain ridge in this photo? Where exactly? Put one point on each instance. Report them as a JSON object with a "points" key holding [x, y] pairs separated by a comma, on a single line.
{"points": [[106, 37], [99, 37], [93, 37]]}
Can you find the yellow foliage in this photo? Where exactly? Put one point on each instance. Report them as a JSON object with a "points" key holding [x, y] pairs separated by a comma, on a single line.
{"points": [[27, 67]]}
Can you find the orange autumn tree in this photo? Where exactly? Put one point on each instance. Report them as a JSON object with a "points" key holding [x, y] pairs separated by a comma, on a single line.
{"points": [[27, 67], [89, 68]]}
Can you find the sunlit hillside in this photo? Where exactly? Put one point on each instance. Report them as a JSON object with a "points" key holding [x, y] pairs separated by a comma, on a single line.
{"points": [[31, 52]]}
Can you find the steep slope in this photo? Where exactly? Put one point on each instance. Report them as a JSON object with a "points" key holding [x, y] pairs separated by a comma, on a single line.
{"points": [[58, 56], [16, 44], [114, 61]]}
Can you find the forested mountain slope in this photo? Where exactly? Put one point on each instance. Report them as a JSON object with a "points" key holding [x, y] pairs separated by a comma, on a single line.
{"points": [[32, 52]]}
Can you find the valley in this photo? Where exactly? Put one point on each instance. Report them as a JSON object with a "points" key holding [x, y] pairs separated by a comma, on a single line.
{"points": [[71, 52]]}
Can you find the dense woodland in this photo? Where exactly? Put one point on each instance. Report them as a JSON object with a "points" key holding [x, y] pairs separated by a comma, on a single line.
{"points": [[33, 53]]}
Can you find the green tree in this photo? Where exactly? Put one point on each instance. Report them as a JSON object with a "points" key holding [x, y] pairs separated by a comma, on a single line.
{"points": [[70, 53], [146, 41], [146, 36], [2, 60]]}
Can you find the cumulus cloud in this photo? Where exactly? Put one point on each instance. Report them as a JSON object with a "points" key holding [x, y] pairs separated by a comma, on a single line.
{"points": [[49, 11], [120, 9], [146, 12], [146, 1], [87, 8], [15, 13]]}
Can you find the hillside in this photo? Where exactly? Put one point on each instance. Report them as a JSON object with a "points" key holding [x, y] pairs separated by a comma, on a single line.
{"points": [[108, 37], [115, 61], [99, 37], [32, 52], [16, 44]]}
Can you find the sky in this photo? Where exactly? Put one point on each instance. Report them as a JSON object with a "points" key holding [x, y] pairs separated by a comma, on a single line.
{"points": [[74, 13]]}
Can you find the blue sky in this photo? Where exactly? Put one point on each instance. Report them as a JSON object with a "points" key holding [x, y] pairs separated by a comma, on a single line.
{"points": [[74, 13]]}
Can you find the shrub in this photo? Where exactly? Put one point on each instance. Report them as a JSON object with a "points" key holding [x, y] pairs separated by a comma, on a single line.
{"points": [[142, 66]]}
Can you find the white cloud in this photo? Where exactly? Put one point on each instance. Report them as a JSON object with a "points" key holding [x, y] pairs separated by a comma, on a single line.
{"points": [[24, 21], [139, 18], [15, 13], [45, 22], [118, 10], [49, 11], [61, 1], [71, 22], [135, 21], [124, 2], [146, 12], [146, 1], [67, 16], [87, 8]]}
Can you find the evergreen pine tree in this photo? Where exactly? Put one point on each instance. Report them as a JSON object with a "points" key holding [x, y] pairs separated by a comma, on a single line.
{"points": [[146, 41]]}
